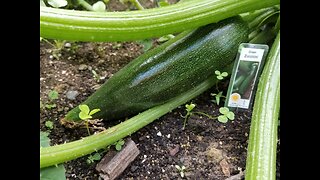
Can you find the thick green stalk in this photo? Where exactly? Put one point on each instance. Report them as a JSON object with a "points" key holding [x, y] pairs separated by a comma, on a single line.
{"points": [[64, 152], [261, 157], [141, 24]]}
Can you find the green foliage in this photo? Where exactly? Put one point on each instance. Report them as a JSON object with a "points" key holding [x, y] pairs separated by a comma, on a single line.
{"points": [[53, 95], [53, 172], [146, 43], [49, 124], [85, 114], [226, 115], [94, 157], [118, 145], [220, 75], [96, 76], [165, 38], [163, 3], [181, 169], [189, 108], [217, 97]]}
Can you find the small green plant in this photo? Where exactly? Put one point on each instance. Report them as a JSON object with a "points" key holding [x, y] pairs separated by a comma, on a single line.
{"points": [[96, 76], [118, 145], [49, 124], [217, 97], [220, 75], [181, 169], [85, 114], [52, 95], [94, 157], [226, 115], [189, 108]]}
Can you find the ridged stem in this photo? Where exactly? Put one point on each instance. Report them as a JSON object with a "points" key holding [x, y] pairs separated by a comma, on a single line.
{"points": [[141, 24]]}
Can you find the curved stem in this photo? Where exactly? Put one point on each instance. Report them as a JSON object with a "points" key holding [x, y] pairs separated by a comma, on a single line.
{"points": [[202, 113], [140, 24]]}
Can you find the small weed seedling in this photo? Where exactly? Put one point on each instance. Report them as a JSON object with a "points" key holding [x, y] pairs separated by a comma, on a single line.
{"points": [[118, 145], [49, 124], [96, 76], [52, 95], [94, 157], [85, 114], [189, 108], [217, 97], [226, 115], [220, 76], [181, 169]]}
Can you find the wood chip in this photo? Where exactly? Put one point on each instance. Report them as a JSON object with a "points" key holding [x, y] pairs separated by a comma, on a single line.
{"points": [[225, 167], [114, 163]]}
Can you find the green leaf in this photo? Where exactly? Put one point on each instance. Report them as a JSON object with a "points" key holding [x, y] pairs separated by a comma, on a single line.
{"points": [[230, 115], [84, 116], [50, 106], [52, 172], [84, 108], [44, 140], [217, 72], [99, 6], [49, 124], [94, 111], [146, 43], [57, 3], [121, 142], [190, 107], [219, 77], [223, 110], [118, 147], [224, 74], [222, 119], [217, 99], [53, 95], [96, 157]]}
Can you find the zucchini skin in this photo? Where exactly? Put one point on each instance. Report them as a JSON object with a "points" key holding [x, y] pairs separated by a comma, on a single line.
{"points": [[167, 71]]}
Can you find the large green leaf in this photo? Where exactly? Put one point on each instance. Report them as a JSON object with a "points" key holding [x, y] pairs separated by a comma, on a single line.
{"points": [[52, 172]]}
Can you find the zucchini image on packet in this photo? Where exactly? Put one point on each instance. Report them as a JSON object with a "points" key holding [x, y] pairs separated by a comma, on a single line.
{"points": [[246, 71]]}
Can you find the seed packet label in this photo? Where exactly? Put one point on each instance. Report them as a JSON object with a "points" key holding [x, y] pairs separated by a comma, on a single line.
{"points": [[245, 75]]}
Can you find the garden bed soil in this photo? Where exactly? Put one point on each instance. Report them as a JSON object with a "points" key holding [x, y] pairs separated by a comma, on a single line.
{"points": [[207, 148]]}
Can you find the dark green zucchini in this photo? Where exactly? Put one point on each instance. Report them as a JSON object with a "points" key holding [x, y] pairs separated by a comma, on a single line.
{"points": [[167, 71]]}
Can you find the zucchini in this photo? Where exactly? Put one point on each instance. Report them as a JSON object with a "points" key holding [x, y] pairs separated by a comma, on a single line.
{"points": [[167, 71], [262, 146], [248, 80]]}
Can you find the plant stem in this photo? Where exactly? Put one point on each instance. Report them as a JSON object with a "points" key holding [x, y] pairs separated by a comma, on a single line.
{"points": [[137, 4], [86, 5], [205, 114], [65, 152], [264, 36], [141, 24], [87, 125], [262, 146]]}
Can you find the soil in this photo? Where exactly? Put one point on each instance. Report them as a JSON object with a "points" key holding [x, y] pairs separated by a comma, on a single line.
{"points": [[207, 148]]}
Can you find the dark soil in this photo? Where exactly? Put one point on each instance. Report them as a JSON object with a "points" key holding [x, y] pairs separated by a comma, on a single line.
{"points": [[201, 147]]}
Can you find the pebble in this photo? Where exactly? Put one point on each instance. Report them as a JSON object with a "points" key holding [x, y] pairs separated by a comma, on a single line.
{"points": [[83, 67], [67, 45], [159, 134], [72, 95]]}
